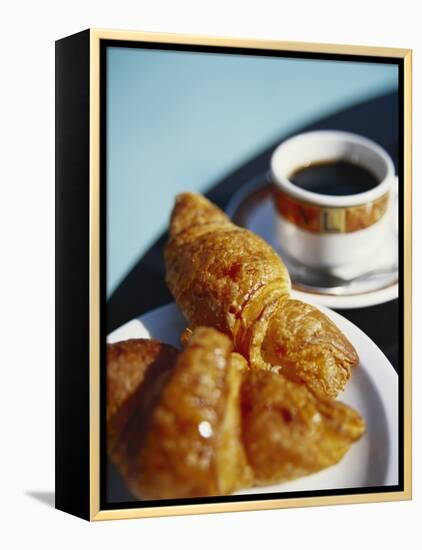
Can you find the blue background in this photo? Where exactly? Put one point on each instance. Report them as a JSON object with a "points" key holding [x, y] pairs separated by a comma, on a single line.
{"points": [[180, 121]]}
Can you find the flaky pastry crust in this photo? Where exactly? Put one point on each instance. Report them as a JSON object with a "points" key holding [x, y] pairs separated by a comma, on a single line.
{"points": [[185, 441], [227, 277], [288, 432], [202, 423]]}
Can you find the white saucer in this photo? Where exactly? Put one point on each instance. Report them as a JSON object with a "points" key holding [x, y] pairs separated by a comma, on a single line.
{"points": [[372, 391], [252, 207]]}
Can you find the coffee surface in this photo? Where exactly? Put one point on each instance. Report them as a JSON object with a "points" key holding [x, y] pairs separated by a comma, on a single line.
{"points": [[334, 178]]}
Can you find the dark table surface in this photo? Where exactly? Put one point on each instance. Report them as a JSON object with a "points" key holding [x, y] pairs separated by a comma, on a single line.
{"points": [[144, 288]]}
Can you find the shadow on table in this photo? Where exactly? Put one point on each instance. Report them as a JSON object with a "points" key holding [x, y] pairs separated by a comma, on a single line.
{"points": [[45, 497]]}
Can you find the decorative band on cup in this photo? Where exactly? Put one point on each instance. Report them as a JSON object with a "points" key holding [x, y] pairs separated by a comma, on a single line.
{"points": [[328, 219]]}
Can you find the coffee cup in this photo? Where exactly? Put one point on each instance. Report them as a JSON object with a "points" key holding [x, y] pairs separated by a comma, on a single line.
{"points": [[332, 193]]}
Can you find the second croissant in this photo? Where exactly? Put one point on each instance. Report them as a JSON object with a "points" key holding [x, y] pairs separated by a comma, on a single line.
{"points": [[202, 423]]}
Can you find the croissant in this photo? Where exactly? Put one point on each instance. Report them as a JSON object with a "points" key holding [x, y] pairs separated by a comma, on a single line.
{"points": [[288, 432], [184, 440], [202, 423], [228, 278]]}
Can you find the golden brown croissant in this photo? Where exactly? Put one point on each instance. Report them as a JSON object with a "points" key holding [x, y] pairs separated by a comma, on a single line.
{"points": [[204, 424], [288, 432], [187, 442], [227, 277]]}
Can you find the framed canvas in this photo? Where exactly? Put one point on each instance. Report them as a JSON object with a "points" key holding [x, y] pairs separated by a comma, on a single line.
{"points": [[233, 276]]}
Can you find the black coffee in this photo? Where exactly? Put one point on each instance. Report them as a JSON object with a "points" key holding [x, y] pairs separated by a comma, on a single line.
{"points": [[334, 178]]}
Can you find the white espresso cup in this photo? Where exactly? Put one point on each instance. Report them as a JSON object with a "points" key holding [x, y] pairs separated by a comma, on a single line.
{"points": [[330, 231]]}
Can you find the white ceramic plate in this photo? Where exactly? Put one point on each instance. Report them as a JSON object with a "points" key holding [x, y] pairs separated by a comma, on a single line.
{"points": [[372, 390]]}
